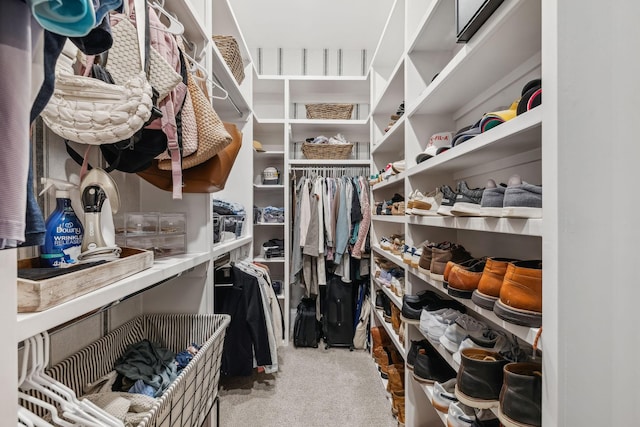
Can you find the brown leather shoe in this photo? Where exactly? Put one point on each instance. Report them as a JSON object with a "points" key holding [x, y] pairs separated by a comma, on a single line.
{"points": [[521, 294], [463, 280], [401, 413], [490, 283], [397, 401], [424, 264], [443, 253], [379, 338], [396, 379], [451, 264], [395, 318]]}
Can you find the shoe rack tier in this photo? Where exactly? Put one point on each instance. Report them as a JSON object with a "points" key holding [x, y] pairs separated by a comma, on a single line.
{"points": [[524, 333], [395, 338], [521, 226], [390, 256], [393, 297]]}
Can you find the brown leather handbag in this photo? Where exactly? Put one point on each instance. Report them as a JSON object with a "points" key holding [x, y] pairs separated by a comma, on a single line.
{"points": [[207, 177]]}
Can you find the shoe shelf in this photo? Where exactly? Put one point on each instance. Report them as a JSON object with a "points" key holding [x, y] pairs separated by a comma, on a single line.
{"points": [[30, 324], [428, 390], [519, 226], [505, 42], [392, 180], [435, 31], [392, 141], [388, 255], [389, 218], [521, 134], [387, 326], [272, 224], [387, 104], [525, 333], [389, 293]]}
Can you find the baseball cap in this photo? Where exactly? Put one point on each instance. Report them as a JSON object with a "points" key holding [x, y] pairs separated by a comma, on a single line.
{"points": [[258, 146], [493, 119], [531, 96], [436, 144], [466, 133]]}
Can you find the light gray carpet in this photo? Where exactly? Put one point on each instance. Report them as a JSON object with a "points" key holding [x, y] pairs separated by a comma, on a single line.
{"points": [[314, 387]]}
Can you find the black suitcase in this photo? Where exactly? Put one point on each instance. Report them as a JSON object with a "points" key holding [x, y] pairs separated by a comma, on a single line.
{"points": [[306, 329], [338, 319]]}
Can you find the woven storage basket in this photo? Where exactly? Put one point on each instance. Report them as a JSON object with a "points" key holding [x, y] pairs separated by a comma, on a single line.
{"points": [[329, 111], [327, 151], [190, 396], [228, 47]]}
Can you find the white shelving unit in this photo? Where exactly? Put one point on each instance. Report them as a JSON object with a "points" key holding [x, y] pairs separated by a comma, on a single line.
{"points": [[177, 284], [446, 86], [281, 126], [387, 326]]}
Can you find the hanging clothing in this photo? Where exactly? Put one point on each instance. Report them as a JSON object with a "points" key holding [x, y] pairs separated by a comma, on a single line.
{"points": [[305, 212], [359, 245], [296, 250], [19, 37], [322, 274], [247, 333]]}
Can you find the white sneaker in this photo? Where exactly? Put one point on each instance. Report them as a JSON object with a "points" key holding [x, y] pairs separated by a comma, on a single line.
{"points": [[415, 258], [460, 415], [455, 333], [427, 205], [444, 395], [434, 323], [409, 207], [407, 254]]}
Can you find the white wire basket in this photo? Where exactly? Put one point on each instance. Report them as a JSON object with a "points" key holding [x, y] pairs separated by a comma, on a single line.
{"points": [[191, 396]]}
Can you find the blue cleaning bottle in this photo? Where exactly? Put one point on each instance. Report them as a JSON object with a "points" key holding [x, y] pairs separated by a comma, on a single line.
{"points": [[64, 232]]}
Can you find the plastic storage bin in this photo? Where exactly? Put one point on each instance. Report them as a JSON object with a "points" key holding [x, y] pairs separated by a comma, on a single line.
{"points": [[227, 227], [162, 233]]}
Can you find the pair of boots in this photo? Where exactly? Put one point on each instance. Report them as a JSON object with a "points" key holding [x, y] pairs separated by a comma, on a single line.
{"points": [[395, 387]]}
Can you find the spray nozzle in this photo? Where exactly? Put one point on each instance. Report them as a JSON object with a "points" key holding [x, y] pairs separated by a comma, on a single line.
{"points": [[59, 185]]}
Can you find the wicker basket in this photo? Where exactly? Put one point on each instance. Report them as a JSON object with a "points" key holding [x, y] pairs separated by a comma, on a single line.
{"points": [[329, 111], [327, 151], [228, 47], [190, 396]]}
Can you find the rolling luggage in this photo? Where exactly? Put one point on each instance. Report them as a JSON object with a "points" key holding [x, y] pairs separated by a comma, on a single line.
{"points": [[306, 330], [338, 319]]}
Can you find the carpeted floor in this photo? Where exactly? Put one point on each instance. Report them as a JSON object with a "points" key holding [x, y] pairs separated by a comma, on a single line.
{"points": [[314, 387]]}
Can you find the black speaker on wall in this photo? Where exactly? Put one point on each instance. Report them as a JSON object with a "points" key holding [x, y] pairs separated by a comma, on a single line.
{"points": [[471, 15]]}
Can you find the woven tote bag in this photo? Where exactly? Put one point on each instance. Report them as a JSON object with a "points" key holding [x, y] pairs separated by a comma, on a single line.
{"points": [[86, 110], [212, 135]]}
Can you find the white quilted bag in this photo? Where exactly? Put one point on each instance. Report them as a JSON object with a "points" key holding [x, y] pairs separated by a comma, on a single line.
{"points": [[89, 111], [124, 62]]}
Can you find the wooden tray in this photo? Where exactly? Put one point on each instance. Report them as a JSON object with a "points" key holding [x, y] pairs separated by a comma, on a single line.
{"points": [[40, 295]]}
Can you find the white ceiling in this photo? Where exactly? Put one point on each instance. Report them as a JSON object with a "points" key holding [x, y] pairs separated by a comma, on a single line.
{"points": [[345, 24]]}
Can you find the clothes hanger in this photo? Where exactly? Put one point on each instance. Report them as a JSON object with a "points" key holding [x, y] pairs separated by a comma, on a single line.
{"points": [[73, 409], [175, 26], [93, 410], [24, 384], [195, 66], [30, 419]]}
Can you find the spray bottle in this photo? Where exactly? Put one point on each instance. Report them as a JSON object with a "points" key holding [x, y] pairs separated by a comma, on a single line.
{"points": [[63, 236]]}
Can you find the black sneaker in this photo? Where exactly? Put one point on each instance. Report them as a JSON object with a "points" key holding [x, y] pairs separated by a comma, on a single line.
{"points": [[386, 307], [416, 346], [448, 200], [380, 300], [412, 306], [467, 201]]}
